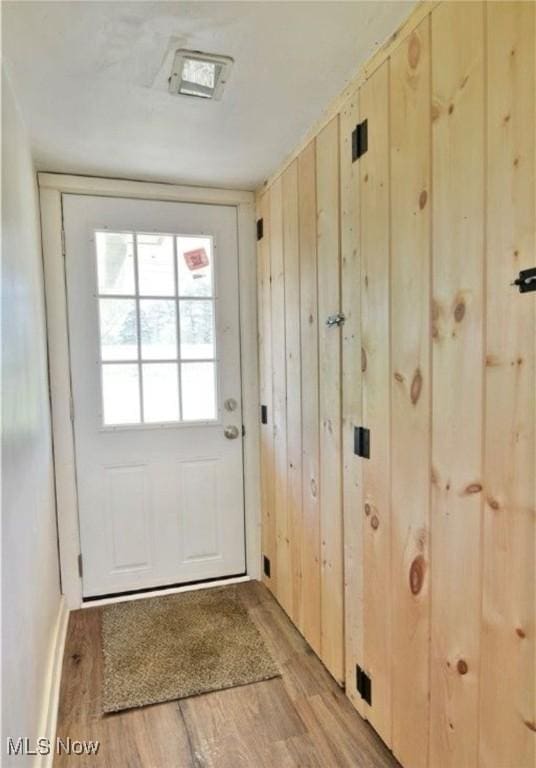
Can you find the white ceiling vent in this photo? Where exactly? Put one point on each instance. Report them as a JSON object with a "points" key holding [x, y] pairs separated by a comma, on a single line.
{"points": [[199, 74]]}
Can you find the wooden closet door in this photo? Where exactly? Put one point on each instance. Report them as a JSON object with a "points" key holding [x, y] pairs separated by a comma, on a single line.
{"points": [[309, 621], [331, 550]]}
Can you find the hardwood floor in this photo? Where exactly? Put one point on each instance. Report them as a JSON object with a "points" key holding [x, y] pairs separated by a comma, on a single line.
{"points": [[300, 720]]}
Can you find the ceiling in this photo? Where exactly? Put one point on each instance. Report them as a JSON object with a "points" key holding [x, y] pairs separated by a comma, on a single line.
{"points": [[91, 79]]}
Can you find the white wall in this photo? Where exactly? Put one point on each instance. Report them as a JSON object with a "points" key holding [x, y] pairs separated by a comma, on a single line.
{"points": [[30, 580]]}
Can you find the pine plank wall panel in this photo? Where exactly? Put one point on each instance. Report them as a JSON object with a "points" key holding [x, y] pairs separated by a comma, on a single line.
{"points": [[351, 400], [264, 273], [457, 357], [375, 329], [293, 384], [507, 703], [279, 390], [329, 353], [310, 536], [417, 564], [411, 381]]}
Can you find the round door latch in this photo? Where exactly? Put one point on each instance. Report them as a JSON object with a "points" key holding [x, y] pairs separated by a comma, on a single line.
{"points": [[230, 404], [337, 320], [231, 432]]}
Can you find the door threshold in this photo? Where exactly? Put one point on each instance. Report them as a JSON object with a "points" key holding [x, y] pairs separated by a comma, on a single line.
{"points": [[141, 594]]}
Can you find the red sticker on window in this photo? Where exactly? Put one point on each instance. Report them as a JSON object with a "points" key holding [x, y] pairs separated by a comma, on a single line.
{"points": [[196, 259]]}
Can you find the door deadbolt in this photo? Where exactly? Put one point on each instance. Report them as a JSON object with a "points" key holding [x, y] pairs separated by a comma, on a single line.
{"points": [[231, 432]]}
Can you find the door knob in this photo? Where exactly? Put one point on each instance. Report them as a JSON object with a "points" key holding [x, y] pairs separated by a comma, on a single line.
{"points": [[231, 432]]}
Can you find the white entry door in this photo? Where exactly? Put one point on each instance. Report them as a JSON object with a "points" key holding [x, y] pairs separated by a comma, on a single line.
{"points": [[152, 293]]}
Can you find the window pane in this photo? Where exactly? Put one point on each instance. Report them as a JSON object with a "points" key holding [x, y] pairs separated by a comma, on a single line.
{"points": [[198, 391], [115, 262], [194, 256], [197, 330], [120, 394], [156, 273], [160, 392], [158, 327], [118, 329]]}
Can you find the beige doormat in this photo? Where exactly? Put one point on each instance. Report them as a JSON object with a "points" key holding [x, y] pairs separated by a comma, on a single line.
{"points": [[166, 648]]}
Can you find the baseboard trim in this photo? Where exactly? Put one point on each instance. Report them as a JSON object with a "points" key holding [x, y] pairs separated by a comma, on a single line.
{"points": [[49, 713]]}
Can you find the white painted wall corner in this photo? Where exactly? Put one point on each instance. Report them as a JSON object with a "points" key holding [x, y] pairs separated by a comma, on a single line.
{"points": [[51, 694]]}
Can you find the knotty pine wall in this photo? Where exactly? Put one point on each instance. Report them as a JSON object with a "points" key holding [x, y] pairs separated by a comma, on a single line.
{"points": [[418, 564]]}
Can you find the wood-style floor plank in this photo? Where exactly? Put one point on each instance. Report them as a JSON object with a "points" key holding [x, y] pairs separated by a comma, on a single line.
{"points": [[300, 720]]}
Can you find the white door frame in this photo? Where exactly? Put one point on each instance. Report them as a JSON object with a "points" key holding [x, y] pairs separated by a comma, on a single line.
{"points": [[51, 188]]}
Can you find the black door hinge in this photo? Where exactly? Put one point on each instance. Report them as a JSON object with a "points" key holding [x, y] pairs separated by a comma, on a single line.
{"points": [[264, 414], [362, 442], [363, 683], [266, 566], [359, 140], [526, 281], [260, 229], [80, 566]]}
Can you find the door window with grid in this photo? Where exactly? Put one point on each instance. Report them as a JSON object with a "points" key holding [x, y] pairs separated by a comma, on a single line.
{"points": [[157, 328]]}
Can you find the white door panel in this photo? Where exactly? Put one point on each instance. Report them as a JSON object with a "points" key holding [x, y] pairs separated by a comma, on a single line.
{"points": [[154, 342]]}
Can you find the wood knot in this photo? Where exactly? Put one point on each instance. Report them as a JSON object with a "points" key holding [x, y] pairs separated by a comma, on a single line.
{"points": [[451, 109], [414, 51], [472, 488], [459, 311], [520, 632], [423, 197], [313, 488], [493, 503], [399, 377], [436, 111], [530, 724], [416, 574], [363, 360], [311, 319], [421, 539], [367, 509], [76, 658], [462, 667], [375, 522], [416, 386]]}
